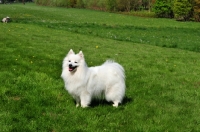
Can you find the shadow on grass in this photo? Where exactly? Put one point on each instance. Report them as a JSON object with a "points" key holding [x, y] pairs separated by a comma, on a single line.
{"points": [[103, 102]]}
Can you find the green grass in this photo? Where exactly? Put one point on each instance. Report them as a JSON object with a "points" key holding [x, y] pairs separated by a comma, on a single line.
{"points": [[163, 83], [143, 13], [158, 32]]}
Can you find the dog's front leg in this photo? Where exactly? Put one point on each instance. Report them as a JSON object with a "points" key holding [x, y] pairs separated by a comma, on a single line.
{"points": [[77, 104], [77, 99], [85, 99]]}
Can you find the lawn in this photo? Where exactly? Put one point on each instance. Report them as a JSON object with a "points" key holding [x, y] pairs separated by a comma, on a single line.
{"points": [[160, 58]]}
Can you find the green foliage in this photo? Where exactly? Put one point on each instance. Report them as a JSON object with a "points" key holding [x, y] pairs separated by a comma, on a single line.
{"points": [[182, 10], [61, 3], [197, 10], [80, 4], [121, 5], [96, 4], [72, 3], [102, 4], [128, 5], [111, 5], [163, 8], [162, 83]]}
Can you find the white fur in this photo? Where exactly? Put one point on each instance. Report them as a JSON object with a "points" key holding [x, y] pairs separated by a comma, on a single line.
{"points": [[6, 19], [85, 83]]}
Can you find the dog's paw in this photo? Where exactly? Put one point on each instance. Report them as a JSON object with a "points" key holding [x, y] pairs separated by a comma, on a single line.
{"points": [[115, 104], [77, 105], [84, 106]]}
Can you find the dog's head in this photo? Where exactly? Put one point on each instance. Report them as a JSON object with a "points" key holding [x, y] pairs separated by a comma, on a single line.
{"points": [[73, 60], [8, 19]]}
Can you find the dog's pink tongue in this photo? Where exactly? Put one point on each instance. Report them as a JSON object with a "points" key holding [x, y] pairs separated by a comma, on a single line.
{"points": [[70, 69]]}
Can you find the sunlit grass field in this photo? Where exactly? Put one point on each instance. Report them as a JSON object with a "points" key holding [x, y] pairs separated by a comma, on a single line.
{"points": [[160, 58]]}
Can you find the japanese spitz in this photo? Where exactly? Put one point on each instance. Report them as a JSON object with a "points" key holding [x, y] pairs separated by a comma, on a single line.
{"points": [[85, 83]]}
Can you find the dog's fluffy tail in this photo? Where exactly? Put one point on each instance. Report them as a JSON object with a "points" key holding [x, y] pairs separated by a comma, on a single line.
{"points": [[117, 67]]}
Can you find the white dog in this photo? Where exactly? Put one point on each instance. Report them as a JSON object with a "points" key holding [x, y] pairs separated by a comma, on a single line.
{"points": [[85, 83], [6, 19]]}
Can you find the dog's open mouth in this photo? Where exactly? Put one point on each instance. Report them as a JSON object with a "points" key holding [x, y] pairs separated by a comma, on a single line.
{"points": [[72, 68]]}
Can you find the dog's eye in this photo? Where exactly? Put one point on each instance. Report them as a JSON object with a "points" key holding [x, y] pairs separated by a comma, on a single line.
{"points": [[69, 61], [75, 62]]}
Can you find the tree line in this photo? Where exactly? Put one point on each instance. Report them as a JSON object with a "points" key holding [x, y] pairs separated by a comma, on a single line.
{"points": [[182, 10]]}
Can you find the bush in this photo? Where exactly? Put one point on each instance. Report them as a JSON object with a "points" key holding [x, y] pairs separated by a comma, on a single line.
{"points": [[101, 4], [182, 10], [197, 10], [61, 3], [111, 5], [163, 8]]}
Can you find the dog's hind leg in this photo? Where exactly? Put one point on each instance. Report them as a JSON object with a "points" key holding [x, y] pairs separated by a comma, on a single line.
{"points": [[115, 99], [116, 103], [114, 94]]}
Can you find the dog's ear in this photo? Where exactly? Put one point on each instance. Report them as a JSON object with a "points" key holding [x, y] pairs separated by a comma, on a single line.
{"points": [[81, 54], [70, 52]]}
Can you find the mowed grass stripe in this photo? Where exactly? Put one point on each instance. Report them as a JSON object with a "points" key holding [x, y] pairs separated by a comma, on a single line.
{"points": [[158, 32]]}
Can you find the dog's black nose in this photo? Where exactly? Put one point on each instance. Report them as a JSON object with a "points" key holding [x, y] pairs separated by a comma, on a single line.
{"points": [[70, 65]]}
